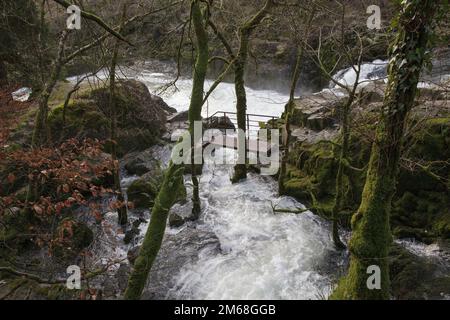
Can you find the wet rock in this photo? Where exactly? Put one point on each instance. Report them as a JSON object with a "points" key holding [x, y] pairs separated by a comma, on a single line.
{"points": [[371, 92], [179, 117], [180, 213], [143, 191], [176, 220], [158, 101], [139, 163], [318, 111], [187, 244], [134, 231], [311, 136], [415, 277], [221, 123]]}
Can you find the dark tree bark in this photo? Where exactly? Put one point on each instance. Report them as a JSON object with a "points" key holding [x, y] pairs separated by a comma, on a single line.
{"points": [[41, 132], [122, 209], [3, 73]]}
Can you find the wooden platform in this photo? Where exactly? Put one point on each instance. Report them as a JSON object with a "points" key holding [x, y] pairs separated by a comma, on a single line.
{"points": [[230, 142]]}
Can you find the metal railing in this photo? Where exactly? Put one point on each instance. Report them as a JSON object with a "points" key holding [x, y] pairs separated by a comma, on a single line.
{"points": [[253, 121]]}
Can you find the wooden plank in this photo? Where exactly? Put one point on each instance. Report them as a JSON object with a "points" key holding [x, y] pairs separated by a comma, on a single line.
{"points": [[231, 143]]}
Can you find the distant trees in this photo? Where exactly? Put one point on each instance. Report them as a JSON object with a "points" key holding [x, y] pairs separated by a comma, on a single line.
{"points": [[371, 238], [19, 22]]}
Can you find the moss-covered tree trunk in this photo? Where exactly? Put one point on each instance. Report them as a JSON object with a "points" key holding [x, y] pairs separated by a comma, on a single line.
{"points": [[153, 238], [240, 170], [41, 132], [122, 208], [371, 238], [200, 23], [174, 175]]}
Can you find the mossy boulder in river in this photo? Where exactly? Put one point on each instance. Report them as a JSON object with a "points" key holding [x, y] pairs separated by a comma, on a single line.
{"points": [[141, 116], [143, 191]]}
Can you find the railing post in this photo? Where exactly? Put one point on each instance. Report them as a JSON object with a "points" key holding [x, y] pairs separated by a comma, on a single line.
{"points": [[248, 126]]}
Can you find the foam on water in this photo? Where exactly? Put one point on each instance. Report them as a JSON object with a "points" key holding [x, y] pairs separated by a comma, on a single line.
{"points": [[263, 255], [369, 71]]}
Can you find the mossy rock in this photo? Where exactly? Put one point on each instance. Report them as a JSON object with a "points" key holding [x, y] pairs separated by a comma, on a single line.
{"points": [[298, 188], [424, 216], [420, 205], [415, 278], [442, 226], [141, 117], [142, 193]]}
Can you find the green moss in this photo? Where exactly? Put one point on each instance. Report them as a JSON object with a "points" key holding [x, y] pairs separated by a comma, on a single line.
{"points": [[89, 116], [442, 225], [142, 193], [413, 277]]}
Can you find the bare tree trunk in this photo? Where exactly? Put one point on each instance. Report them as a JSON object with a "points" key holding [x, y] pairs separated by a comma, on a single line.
{"points": [[41, 134], [122, 208], [371, 236]]}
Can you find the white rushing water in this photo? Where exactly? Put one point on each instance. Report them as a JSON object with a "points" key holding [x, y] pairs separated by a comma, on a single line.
{"points": [[370, 71], [263, 102], [263, 255]]}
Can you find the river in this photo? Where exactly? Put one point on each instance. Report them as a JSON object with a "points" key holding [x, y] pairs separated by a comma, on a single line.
{"points": [[239, 249]]}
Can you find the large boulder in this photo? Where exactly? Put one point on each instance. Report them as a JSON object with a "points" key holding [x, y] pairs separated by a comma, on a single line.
{"points": [[141, 116], [416, 277], [143, 191], [319, 111], [179, 117], [221, 123], [139, 163]]}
